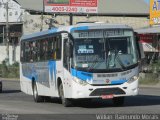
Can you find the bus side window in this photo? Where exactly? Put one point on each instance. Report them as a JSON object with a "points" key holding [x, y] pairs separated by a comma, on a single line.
{"points": [[65, 58], [22, 52], [54, 56], [30, 51], [26, 52], [46, 49], [56, 51], [50, 54], [42, 50], [58, 47], [37, 49], [34, 51]]}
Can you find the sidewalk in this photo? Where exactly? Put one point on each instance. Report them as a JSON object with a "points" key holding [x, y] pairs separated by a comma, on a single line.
{"points": [[10, 79], [141, 85], [150, 86]]}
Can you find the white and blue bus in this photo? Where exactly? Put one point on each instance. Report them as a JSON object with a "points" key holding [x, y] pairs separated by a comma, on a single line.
{"points": [[83, 61]]}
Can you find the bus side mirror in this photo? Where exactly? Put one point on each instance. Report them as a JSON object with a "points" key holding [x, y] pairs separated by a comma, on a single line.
{"points": [[69, 49], [139, 47], [141, 51]]}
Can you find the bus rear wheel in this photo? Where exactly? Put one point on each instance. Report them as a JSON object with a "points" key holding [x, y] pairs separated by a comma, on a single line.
{"points": [[118, 101], [65, 101], [36, 97]]}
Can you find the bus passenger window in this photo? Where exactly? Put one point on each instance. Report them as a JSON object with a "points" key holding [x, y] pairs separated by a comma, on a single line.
{"points": [[65, 58], [49, 52], [42, 50], [58, 47], [37, 51], [22, 52], [27, 52], [31, 52], [34, 51]]}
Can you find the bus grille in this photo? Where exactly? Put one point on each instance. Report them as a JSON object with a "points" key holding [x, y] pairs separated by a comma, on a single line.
{"points": [[107, 91]]}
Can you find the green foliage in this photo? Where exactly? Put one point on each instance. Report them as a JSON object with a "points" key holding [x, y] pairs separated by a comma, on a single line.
{"points": [[11, 71], [156, 63], [150, 79], [152, 68]]}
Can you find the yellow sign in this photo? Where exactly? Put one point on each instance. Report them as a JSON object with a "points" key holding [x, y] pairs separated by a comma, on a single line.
{"points": [[154, 12]]}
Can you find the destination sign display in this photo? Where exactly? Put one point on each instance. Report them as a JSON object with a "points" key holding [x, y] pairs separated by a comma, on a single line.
{"points": [[98, 34]]}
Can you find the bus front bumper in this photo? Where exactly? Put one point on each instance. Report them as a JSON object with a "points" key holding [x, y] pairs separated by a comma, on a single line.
{"points": [[90, 91]]}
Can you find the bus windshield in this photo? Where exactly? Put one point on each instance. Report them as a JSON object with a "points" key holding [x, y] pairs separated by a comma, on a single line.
{"points": [[104, 51]]}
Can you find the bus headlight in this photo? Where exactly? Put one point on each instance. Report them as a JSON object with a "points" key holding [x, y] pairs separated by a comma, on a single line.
{"points": [[81, 82], [132, 79]]}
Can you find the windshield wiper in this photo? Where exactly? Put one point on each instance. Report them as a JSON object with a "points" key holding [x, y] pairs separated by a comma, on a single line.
{"points": [[116, 56], [120, 62]]}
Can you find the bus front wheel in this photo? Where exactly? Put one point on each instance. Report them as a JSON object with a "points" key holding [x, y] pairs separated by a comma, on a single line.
{"points": [[65, 101], [36, 97], [0, 87], [118, 101]]}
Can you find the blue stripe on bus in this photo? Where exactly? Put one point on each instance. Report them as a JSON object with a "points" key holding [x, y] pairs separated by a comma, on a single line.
{"points": [[30, 72], [28, 76], [52, 69], [53, 30], [79, 28], [82, 75], [118, 82]]}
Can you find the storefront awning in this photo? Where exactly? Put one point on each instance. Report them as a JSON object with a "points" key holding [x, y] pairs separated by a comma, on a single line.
{"points": [[149, 30]]}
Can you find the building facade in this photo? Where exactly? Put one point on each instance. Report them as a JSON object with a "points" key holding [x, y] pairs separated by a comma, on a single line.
{"points": [[31, 16], [11, 15]]}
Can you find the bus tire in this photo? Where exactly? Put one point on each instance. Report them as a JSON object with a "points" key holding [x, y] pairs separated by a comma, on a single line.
{"points": [[0, 87], [36, 97], [1, 90], [65, 101], [118, 101]]}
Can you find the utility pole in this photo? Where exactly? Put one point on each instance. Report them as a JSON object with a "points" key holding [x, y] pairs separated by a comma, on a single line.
{"points": [[7, 34], [71, 19], [42, 17]]}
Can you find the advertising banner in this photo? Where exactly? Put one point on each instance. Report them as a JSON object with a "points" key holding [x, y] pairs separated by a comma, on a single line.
{"points": [[154, 12], [71, 6]]}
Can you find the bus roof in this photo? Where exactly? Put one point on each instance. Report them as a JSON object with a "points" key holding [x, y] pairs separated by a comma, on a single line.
{"points": [[81, 26]]}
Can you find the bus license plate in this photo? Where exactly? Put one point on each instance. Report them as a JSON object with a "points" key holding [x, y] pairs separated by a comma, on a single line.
{"points": [[107, 96]]}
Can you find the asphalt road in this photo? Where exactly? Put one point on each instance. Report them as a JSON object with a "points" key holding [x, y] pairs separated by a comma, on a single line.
{"points": [[13, 102]]}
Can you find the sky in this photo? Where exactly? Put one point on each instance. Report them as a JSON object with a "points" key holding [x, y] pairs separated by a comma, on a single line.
{"points": [[147, 1]]}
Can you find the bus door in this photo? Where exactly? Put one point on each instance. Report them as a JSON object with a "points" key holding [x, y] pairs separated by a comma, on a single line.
{"points": [[66, 59]]}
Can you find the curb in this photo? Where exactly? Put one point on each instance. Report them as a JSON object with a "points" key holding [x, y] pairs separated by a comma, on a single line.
{"points": [[157, 86], [150, 86], [9, 79]]}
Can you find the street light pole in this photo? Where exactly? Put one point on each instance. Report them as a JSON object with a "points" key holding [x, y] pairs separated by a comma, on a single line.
{"points": [[7, 35]]}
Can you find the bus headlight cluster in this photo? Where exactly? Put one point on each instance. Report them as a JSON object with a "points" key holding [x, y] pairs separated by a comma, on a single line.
{"points": [[81, 82], [132, 79]]}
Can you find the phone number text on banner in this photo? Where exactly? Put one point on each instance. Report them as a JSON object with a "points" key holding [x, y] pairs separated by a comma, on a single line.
{"points": [[71, 9], [71, 6]]}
